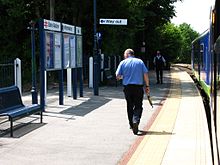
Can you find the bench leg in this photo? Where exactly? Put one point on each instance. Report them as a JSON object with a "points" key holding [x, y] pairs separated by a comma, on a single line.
{"points": [[11, 127]]}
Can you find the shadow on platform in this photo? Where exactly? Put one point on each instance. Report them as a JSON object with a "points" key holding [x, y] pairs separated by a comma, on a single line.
{"points": [[22, 127], [143, 133], [86, 107]]}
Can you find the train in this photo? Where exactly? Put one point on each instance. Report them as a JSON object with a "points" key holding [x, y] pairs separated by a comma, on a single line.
{"points": [[205, 64]]}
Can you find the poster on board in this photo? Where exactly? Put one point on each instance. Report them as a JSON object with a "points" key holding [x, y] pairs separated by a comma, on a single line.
{"points": [[79, 51], [49, 49], [57, 51], [66, 40], [73, 51]]}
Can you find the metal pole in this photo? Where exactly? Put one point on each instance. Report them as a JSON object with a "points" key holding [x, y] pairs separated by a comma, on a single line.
{"points": [[61, 84], [33, 90], [52, 5], [42, 66], [81, 82], [74, 80], [95, 55]]}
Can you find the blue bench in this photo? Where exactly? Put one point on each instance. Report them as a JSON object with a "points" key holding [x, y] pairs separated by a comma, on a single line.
{"points": [[11, 105]]}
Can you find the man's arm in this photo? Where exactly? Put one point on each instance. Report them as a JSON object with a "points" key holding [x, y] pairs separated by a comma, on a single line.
{"points": [[118, 73], [146, 80], [164, 61]]}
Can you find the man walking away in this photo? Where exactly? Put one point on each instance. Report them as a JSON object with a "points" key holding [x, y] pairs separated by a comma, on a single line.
{"points": [[159, 63], [135, 76]]}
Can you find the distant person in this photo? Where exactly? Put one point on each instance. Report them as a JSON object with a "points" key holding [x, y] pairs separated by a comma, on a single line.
{"points": [[135, 77], [159, 63]]}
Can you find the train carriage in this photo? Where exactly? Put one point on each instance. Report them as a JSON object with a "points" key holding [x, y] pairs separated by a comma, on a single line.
{"points": [[205, 61], [201, 60], [215, 85]]}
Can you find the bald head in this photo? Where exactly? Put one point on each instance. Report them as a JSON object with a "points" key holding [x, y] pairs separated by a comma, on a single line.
{"points": [[128, 53]]}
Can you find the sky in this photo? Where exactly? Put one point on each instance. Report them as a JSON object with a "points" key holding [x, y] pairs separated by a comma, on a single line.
{"points": [[193, 12]]}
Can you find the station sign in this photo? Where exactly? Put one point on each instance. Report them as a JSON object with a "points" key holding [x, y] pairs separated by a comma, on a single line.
{"points": [[79, 53], [78, 30], [52, 25], [68, 28], [113, 21]]}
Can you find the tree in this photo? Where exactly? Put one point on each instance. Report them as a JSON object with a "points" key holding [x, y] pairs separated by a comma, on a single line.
{"points": [[170, 41], [188, 35], [175, 42], [152, 14], [144, 18]]}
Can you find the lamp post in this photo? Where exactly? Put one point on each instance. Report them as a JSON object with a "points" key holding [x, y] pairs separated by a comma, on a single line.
{"points": [[95, 54], [33, 57]]}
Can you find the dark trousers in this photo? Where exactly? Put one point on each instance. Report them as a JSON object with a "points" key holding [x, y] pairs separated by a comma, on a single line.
{"points": [[134, 97], [159, 74]]}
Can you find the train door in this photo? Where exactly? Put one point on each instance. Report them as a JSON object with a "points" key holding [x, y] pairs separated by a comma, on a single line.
{"points": [[196, 58]]}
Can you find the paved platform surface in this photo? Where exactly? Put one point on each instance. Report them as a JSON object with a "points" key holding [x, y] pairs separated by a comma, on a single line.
{"points": [[179, 134], [94, 129]]}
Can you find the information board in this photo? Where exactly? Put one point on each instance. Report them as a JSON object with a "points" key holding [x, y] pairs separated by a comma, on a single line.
{"points": [[53, 50], [69, 51], [70, 56], [66, 43], [57, 51], [49, 50], [79, 51], [73, 51]]}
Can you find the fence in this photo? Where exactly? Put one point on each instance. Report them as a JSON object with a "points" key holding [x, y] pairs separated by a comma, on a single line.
{"points": [[7, 74]]}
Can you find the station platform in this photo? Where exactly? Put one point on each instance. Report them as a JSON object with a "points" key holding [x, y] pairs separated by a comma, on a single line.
{"points": [[179, 134], [93, 130]]}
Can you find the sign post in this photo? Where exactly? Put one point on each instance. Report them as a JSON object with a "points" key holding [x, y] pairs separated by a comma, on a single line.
{"points": [[33, 57], [95, 53], [104, 21]]}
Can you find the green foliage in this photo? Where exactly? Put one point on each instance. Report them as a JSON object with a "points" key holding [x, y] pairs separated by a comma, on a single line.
{"points": [[148, 22], [188, 35], [175, 42], [170, 41]]}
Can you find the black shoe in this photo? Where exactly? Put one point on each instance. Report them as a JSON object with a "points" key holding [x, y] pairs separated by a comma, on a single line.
{"points": [[135, 128], [131, 125]]}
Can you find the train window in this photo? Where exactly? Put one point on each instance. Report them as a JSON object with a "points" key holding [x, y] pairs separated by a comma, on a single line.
{"points": [[202, 55]]}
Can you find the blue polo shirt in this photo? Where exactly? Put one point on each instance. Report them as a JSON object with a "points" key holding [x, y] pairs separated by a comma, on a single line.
{"points": [[132, 70]]}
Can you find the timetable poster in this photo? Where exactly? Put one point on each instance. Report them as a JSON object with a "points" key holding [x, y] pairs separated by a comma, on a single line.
{"points": [[57, 51], [66, 40], [79, 51], [49, 50], [73, 51]]}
